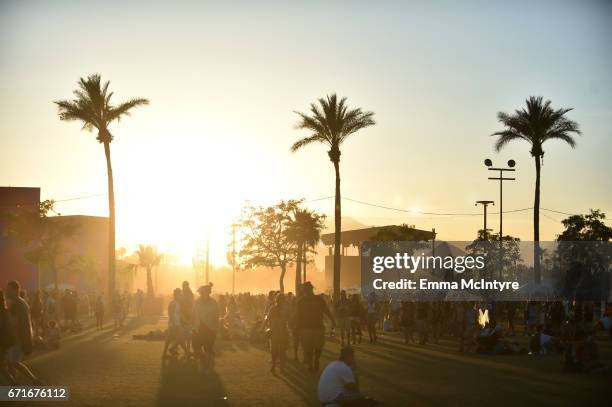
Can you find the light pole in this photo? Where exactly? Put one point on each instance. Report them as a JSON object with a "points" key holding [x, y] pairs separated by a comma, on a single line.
{"points": [[484, 207], [501, 179]]}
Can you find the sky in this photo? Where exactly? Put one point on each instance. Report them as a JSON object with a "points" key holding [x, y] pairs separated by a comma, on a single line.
{"points": [[225, 80]]}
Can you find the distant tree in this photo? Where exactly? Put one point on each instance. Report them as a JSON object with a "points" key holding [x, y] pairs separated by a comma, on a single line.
{"points": [[305, 230], [500, 261], [582, 256], [148, 258], [535, 124], [266, 239], [589, 227], [92, 107], [331, 123], [43, 237], [84, 268]]}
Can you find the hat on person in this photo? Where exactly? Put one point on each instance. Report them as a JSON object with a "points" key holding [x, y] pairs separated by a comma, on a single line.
{"points": [[308, 285], [205, 288]]}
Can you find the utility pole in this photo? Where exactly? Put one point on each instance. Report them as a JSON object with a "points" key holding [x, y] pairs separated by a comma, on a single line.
{"points": [[234, 258], [484, 206], [433, 243], [206, 276]]}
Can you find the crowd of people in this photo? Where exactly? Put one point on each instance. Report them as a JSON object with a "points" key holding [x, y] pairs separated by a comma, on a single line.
{"points": [[285, 322], [39, 320]]}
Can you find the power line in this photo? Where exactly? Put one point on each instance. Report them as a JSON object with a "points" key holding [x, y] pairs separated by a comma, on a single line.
{"points": [[427, 213]]}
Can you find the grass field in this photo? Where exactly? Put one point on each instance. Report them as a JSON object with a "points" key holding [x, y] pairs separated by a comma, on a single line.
{"points": [[106, 368]]}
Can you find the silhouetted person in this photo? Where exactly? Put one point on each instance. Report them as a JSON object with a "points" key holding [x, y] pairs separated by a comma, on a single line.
{"points": [[309, 321], [206, 321], [277, 321], [342, 317], [7, 339], [21, 326]]}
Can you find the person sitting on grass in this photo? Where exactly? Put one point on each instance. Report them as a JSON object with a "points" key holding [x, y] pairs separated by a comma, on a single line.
{"points": [[338, 386], [583, 354], [52, 336]]}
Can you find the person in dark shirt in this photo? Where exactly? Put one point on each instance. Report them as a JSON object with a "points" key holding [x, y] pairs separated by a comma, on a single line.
{"points": [[21, 326], [309, 321], [357, 317], [342, 317]]}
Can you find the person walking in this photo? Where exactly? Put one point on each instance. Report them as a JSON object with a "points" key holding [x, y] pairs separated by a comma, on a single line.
{"points": [[277, 321], [342, 317], [187, 299], [174, 335], [372, 317], [206, 322], [309, 320], [99, 312]]}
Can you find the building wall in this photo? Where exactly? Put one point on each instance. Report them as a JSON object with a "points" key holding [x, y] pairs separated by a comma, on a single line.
{"points": [[89, 243], [13, 265], [350, 273]]}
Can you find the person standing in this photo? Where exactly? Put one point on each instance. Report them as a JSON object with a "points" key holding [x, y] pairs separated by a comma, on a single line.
{"points": [[6, 339], [186, 313], [342, 317], [277, 321], [36, 309], [295, 335], [357, 318], [372, 317], [206, 322], [21, 327], [309, 320], [174, 335], [99, 312], [139, 303]]}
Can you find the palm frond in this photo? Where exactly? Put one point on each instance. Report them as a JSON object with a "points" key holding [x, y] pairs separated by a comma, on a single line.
{"points": [[115, 113], [331, 122], [536, 123], [306, 141]]}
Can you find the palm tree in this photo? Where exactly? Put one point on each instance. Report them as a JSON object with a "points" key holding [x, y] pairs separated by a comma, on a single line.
{"points": [[304, 230], [313, 225], [149, 258], [92, 106], [535, 124], [331, 122]]}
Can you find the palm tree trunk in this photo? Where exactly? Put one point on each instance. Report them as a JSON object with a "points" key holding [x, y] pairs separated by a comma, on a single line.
{"points": [[536, 223], [298, 267], [111, 223], [337, 232], [304, 262], [149, 283]]}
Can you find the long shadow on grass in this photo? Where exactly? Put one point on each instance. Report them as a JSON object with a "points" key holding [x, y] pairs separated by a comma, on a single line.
{"points": [[183, 384], [301, 381]]}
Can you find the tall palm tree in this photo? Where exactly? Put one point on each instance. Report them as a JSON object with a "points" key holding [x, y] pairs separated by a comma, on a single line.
{"points": [[149, 258], [331, 122], [535, 124], [92, 106]]}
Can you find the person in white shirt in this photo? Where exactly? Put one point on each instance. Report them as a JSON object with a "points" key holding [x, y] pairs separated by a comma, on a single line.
{"points": [[338, 384], [174, 335]]}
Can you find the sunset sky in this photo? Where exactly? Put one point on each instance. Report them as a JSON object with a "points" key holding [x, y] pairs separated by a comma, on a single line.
{"points": [[224, 82]]}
